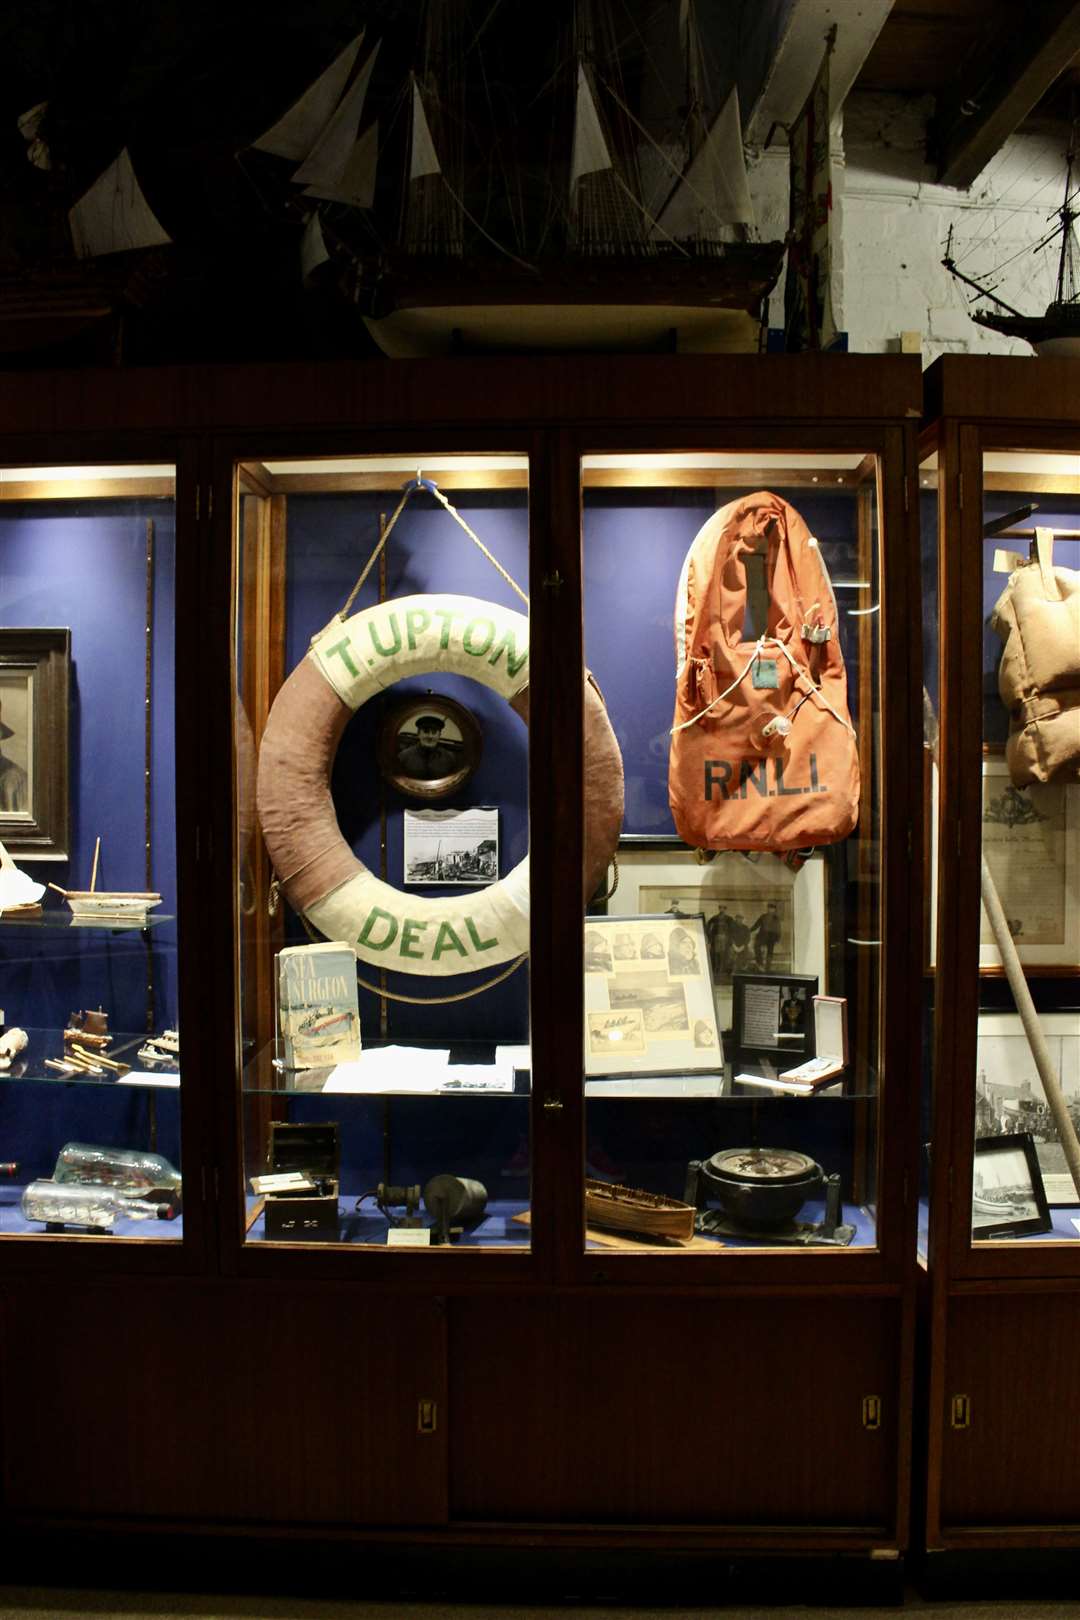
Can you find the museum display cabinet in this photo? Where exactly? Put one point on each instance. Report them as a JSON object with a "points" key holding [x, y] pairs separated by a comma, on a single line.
{"points": [[89, 668], [1000, 457], [543, 827]]}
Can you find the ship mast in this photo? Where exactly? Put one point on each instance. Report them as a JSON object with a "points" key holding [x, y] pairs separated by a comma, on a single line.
{"points": [[1066, 280]]}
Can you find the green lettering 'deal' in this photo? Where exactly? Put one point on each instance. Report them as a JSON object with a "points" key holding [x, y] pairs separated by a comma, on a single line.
{"points": [[478, 943], [386, 652], [342, 649], [447, 940], [411, 929], [374, 917]]}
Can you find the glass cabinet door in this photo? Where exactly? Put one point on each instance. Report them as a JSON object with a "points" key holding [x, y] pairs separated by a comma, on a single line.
{"points": [[381, 726], [1025, 1077], [90, 1029], [733, 952]]}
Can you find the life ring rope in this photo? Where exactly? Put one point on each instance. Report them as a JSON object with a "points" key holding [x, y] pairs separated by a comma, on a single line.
{"points": [[350, 661], [432, 489]]}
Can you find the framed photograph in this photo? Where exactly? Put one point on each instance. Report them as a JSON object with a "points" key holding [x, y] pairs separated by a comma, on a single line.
{"points": [[1007, 1196], [759, 915], [428, 746], [451, 846], [1009, 1095], [1031, 840], [35, 671], [773, 1016], [648, 997]]}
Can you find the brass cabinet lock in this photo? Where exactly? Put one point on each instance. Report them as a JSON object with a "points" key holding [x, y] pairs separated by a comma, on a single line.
{"points": [[552, 1105], [960, 1412]]}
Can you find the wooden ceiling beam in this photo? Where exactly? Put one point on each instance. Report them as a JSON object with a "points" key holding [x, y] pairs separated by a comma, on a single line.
{"points": [[991, 101]]}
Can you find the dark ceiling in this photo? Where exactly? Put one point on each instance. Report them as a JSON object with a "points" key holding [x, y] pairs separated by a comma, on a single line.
{"points": [[187, 85]]}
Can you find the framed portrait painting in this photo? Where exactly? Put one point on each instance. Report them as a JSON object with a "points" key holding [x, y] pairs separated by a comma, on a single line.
{"points": [[34, 696], [759, 915]]}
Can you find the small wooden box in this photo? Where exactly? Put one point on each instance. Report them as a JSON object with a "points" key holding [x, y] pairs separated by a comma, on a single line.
{"points": [[315, 1150]]}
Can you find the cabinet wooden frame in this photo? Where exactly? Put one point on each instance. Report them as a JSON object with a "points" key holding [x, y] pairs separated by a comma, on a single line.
{"points": [[556, 455], [171, 443], [1020, 1290], [232, 422]]}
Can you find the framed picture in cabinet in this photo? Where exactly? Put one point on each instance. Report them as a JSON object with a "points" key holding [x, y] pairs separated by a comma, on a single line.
{"points": [[773, 1017], [758, 914], [1031, 840], [1009, 1095], [34, 685], [1007, 1196], [428, 746], [648, 997]]}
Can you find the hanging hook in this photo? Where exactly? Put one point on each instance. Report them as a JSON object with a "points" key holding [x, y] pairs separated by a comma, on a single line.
{"points": [[420, 482]]}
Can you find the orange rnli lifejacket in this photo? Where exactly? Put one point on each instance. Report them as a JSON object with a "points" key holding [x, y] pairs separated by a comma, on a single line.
{"points": [[763, 750]]}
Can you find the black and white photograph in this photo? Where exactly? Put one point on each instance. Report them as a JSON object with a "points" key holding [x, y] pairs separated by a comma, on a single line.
{"points": [[34, 718], [451, 846], [648, 997], [1007, 1194], [1009, 1094], [428, 747], [759, 917], [774, 1015]]}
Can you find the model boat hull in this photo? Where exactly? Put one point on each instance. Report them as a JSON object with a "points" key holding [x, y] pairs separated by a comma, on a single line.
{"points": [[629, 1209], [101, 905]]}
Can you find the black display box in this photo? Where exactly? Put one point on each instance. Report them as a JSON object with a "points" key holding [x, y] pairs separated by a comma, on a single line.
{"points": [[314, 1150]]}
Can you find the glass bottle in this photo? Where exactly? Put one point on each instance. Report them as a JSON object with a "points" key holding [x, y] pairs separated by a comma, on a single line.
{"points": [[124, 1168]]}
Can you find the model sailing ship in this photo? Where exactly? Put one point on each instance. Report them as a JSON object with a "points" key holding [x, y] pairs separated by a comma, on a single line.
{"points": [[1057, 331], [559, 221], [94, 905]]}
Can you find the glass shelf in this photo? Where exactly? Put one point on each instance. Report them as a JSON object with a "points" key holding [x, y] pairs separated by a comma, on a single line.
{"points": [[28, 1067], [59, 922], [264, 1076]]}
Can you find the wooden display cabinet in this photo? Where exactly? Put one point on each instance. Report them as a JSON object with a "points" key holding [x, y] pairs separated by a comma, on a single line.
{"points": [[493, 1389], [1002, 436]]}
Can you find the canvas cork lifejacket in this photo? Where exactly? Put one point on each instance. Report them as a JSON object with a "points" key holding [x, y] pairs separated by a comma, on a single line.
{"points": [[763, 751], [1038, 617]]}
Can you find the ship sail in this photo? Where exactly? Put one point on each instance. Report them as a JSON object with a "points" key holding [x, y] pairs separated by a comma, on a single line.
{"points": [[298, 130], [313, 249], [714, 190], [323, 173], [356, 184], [423, 158], [589, 154], [114, 215]]}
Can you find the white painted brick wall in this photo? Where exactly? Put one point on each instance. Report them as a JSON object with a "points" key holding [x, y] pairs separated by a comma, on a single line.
{"points": [[897, 222], [891, 222]]}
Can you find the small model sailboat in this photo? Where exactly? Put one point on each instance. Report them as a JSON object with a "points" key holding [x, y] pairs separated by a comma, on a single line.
{"points": [[1057, 331], [94, 905]]}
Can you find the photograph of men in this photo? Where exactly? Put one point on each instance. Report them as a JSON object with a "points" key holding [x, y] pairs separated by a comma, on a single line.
{"points": [[424, 753], [765, 933], [14, 785]]}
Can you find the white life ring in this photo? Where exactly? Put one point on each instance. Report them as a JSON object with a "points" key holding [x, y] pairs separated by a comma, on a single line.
{"points": [[348, 663]]}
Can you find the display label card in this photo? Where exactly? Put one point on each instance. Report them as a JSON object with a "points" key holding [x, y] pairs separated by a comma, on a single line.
{"points": [[409, 1237], [451, 846]]}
